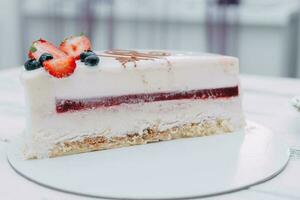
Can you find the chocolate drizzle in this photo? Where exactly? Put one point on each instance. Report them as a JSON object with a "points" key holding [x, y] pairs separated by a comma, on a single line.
{"points": [[125, 56]]}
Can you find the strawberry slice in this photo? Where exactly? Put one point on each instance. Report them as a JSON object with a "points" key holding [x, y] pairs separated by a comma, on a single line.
{"points": [[75, 45], [60, 67], [42, 46]]}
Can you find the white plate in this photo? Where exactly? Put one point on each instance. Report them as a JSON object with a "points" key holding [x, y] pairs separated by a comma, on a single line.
{"points": [[193, 167]]}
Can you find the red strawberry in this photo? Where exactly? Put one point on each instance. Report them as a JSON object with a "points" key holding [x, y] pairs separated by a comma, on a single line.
{"points": [[75, 45], [60, 67], [42, 46]]}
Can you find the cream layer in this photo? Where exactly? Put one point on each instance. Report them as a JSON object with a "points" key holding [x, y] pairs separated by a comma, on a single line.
{"points": [[50, 129]]}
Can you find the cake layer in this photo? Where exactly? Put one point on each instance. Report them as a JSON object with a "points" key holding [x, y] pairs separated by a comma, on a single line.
{"points": [[64, 105], [54, 128], [150, 135]]}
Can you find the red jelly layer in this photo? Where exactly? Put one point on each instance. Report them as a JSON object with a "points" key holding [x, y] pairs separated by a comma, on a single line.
{"points": [[64, 105]]}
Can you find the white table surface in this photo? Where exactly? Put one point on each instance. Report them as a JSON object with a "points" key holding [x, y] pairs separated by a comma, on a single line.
{"points": [[266, 100]]}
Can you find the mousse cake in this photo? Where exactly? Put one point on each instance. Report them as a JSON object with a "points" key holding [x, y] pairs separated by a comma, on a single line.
{"points": [[79, 100]]}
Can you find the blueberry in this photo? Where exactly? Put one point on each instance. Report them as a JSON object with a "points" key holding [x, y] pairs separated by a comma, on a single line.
{"points": [[32, 64], [44, 57], [91, 60], [86, 54]]}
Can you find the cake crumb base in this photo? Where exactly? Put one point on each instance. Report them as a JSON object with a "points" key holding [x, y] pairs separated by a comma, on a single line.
{"points": [[94, 143]]}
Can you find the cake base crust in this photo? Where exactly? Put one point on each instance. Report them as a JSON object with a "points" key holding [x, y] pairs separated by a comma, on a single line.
{"points": [[94, 143]]}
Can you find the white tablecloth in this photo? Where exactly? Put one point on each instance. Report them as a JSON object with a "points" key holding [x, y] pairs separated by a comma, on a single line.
{"points": [[266, 100]]}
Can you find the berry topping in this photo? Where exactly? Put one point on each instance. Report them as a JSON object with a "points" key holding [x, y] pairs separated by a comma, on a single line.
{"points": [[91, 60], [85, 54], [44, 57], [60, 67], [75, 45], [32, 64], [42, 46]]}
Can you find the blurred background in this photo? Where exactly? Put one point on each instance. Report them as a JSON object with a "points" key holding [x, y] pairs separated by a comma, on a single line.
{"points": [[264, 34]]}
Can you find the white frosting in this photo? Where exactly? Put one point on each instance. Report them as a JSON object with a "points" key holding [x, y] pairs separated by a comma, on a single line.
{"points": [[178, 72]]}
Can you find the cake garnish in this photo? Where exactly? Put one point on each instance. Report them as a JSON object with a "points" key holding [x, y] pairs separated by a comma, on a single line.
{"points": [[61, 62], [75, 45], [32, 64], [42, 46], [40, 52], [91, 60], [125, 56], [85, 54], [60, 67], [44, 57]]}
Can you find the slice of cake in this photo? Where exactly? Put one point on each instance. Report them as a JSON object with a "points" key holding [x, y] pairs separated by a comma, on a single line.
{"points": [[79, 100]]}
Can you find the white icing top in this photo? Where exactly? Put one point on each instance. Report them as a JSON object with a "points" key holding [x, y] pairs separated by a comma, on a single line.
{"points": [[179, 71]]}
